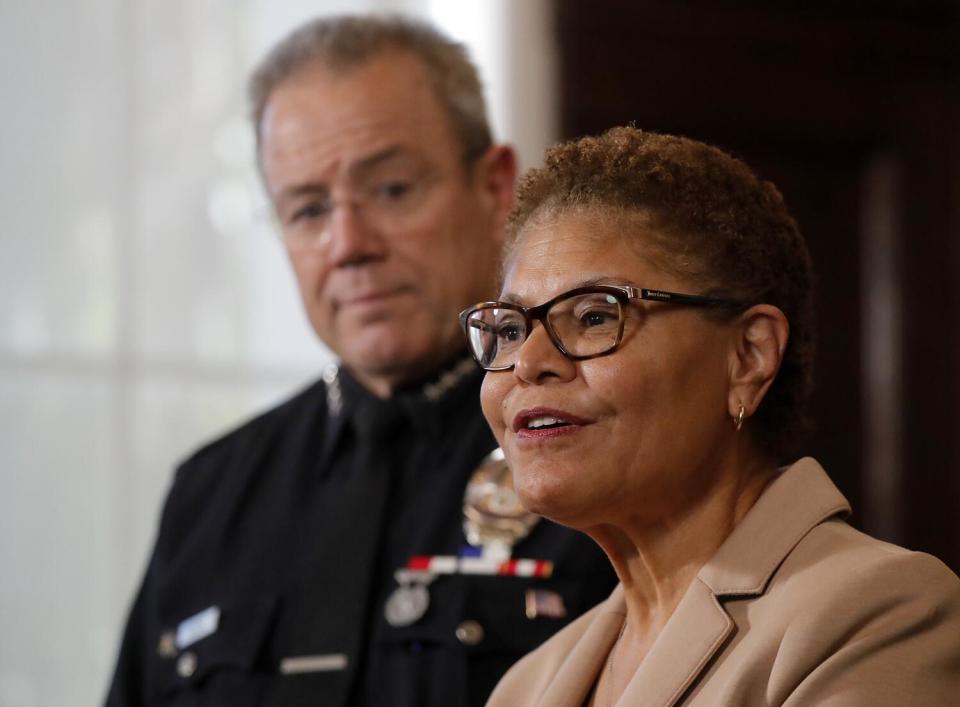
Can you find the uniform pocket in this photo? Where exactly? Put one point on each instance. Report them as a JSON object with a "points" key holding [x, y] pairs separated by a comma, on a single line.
{"points": [[219, 668], [514, 615], [492, 614]]}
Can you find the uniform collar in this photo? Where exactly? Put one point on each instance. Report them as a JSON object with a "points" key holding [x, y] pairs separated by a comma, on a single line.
{"points": [[430, 407]]}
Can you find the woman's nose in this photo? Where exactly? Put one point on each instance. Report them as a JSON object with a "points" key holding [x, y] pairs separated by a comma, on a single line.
{"points": [[539, 360]]}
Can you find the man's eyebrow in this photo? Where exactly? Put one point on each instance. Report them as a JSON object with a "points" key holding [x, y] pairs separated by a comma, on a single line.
{"points": [[375, 160], [305, 189], [359, 167]]}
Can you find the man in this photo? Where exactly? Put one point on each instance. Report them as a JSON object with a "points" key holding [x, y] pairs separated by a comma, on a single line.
{"points": [[334, 551]]}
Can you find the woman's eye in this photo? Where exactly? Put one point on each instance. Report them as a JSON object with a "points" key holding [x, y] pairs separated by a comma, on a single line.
{"points": [[509, 332], [597, 317]]}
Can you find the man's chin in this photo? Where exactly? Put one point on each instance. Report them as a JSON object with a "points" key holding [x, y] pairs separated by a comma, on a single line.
{"points": [[386, 357], [399, 364]]}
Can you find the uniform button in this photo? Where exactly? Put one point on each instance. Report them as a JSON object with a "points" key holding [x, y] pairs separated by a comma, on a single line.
{"points": [[187, 664], [470, 633], [167, 645]]}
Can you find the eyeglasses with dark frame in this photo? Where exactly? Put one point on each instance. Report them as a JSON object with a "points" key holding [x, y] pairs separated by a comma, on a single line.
{"points": [[583, 323]]}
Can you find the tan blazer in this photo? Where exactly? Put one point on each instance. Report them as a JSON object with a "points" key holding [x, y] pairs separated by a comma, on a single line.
{"points": [[796, 608]]}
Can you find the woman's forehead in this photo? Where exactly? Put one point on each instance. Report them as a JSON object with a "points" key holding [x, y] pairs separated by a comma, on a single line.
{"points": [[597, 227], [562, 252]]}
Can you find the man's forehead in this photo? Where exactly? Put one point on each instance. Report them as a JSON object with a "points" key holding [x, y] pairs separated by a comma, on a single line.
{"points": [[332, 122], [389, 82], [355, 169]]}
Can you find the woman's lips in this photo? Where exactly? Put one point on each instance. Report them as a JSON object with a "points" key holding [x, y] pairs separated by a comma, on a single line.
{"points": [[544, 423]]}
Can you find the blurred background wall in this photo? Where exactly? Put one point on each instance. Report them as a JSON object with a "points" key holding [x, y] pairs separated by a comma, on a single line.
{"points": [[145, 304]]}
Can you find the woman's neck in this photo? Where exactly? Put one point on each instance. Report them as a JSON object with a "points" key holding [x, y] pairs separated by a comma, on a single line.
{"points": [[657, 561]]}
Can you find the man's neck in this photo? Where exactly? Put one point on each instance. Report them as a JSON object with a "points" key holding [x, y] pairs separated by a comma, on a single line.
{"points": [[387, 385]]}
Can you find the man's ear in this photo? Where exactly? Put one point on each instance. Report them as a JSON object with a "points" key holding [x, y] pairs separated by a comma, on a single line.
{"points": [[496, 172], [761, 336]]}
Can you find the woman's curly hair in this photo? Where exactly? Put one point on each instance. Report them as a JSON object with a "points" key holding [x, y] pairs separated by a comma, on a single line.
{"points": [[713, 222]]}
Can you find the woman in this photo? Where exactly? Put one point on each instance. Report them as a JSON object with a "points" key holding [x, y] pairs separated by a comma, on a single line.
{"points": [[649, 360]]}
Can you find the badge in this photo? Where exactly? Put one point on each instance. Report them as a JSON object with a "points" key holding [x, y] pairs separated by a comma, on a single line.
{"points": [[197, 627], [493, 522], [492, 514], [409, 601]]}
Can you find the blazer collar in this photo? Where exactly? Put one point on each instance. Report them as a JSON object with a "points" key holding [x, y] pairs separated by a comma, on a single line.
{"points": [[676, 659], [574, 680], [800, 498]]}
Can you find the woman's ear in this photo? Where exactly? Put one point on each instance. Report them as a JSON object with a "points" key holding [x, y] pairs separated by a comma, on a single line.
{"points": [[760, 338]]}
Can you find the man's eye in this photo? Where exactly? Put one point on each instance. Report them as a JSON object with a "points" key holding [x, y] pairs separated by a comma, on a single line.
{"points": [[313, 210], [393, 190]]}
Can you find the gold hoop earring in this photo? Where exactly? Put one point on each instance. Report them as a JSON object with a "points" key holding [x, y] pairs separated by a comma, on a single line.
{"points": [[738, 421]]}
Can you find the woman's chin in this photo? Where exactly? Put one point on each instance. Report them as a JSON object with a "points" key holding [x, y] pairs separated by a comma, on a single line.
{"points": [[550, 497]]}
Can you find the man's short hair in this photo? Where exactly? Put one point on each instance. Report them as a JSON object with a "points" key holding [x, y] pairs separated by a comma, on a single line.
{"points": [[345, 42]]}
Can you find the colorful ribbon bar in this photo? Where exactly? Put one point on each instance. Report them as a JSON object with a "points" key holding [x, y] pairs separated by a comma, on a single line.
{"points": [[449, 564]]}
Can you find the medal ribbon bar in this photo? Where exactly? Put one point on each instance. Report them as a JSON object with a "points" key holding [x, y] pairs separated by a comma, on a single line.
{"points": [[449, 564]]}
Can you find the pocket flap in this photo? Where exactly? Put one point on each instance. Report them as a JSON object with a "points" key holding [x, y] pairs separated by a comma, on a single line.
{"points": [[491, 614], [235, 644]]}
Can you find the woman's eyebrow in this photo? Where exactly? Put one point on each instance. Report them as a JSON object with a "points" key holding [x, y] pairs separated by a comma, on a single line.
{"points": [[513, 298]]}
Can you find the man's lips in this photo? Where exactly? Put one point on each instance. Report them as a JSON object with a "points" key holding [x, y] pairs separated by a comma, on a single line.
{"points": [[370, 298], [540, 422]]}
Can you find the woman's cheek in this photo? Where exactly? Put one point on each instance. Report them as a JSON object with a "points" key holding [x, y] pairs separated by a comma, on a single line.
{"points": [[492, 394]]}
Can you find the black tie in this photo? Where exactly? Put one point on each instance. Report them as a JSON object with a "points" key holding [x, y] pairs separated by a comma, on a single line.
{"points": [[344, 540]]}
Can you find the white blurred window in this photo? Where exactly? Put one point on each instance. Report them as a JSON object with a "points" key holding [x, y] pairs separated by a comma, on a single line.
{"points": [[145, 304]]}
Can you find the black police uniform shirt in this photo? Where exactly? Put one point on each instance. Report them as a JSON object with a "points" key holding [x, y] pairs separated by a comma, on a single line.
{"points": [[289, 531]]}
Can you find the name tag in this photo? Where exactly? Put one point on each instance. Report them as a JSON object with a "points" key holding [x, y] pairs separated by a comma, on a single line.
{"points": [[198, 627], [329, 662]]}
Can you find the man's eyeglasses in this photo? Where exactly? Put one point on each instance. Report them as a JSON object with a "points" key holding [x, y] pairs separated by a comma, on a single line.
{"points": [[583, 323], [384, 201]]}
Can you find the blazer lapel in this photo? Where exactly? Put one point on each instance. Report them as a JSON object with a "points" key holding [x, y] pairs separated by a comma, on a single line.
{"points": [[696, 631], [580, 668], [799, 499]]}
